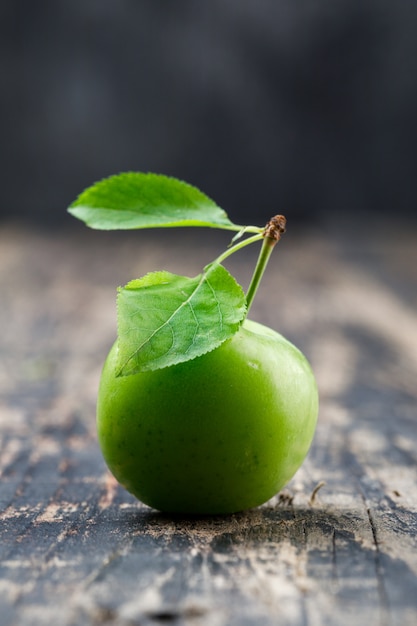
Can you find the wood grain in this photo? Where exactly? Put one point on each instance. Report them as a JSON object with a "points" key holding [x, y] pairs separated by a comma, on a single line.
{"points": [[337, 546]]}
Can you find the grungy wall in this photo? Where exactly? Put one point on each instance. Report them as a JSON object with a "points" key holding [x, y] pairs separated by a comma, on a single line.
{"points": [[268, 106]]}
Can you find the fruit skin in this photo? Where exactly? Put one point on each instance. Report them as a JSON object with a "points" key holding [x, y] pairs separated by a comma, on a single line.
{"points": [[215, 435]]}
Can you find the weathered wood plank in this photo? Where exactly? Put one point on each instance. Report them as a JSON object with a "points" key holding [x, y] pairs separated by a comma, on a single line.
{"points": [[74, 544]]}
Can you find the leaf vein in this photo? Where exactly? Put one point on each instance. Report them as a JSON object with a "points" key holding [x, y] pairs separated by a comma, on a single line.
{"points": [[169, 320], [219, 310]]}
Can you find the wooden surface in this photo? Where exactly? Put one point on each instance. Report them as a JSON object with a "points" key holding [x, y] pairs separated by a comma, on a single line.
{"points": [[337, 547]]}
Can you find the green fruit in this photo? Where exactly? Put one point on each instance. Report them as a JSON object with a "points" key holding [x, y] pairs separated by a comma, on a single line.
{"points": [[218, 434]]}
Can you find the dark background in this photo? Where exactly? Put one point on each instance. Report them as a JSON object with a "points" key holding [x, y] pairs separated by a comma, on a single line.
{"points": [[304, 107]]}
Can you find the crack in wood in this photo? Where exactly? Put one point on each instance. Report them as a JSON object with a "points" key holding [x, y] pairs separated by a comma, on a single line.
{"points": [[380, 575], [335, 576]]}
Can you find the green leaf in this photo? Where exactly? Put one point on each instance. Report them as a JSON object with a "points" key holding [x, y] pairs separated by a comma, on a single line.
{"points": [[137, 200], [165, 319]]}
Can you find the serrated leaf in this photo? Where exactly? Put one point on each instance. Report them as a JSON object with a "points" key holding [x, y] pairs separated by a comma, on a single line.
{"points": [[165, 319], [138, 200]]}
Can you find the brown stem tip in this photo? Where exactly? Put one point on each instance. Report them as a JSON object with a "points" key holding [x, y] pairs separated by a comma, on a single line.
{"points": [[275, 228]]}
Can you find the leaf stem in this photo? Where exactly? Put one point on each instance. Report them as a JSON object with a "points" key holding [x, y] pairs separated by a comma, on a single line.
{"points": [[271, 235], [238, 246]]}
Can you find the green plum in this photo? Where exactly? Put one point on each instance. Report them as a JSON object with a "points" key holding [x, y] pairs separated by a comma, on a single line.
{"points": [[218, 434], [200, 410]]}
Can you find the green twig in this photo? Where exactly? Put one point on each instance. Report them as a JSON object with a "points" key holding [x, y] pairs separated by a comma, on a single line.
{"points": [[271, 235]]}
